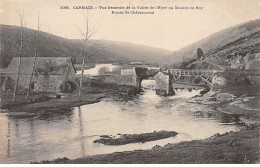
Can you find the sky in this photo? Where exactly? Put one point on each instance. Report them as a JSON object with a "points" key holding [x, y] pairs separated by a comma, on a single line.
{"points": [[170, 29]]}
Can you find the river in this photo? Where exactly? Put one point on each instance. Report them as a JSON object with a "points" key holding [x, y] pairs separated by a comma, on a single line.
{"points": [[100, 69], [71, 133]]}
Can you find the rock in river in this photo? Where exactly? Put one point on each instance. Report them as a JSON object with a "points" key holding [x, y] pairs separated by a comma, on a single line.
{"points": [[136, 138]]}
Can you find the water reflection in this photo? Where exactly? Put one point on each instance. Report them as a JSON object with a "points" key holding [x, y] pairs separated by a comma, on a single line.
{"points": [[81, 133], [56, 115], [71, 132], [8, 139], [35, 138]]}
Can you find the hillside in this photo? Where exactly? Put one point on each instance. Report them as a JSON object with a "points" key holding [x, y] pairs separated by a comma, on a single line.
{"points": [[100, 51], [134, 52], [241, 38]]}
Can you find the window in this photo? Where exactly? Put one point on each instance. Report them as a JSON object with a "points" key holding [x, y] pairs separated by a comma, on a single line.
{"points": [[33, 85]]}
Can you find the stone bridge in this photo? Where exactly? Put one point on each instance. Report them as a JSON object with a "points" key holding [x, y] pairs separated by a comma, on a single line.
{"points": [[166, 81], [171, 79]]}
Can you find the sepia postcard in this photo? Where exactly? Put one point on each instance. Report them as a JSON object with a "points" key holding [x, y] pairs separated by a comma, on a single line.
{"points": [[129, 81]]}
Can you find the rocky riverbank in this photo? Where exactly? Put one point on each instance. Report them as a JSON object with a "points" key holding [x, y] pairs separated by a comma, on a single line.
{"points": [[243, 101]]}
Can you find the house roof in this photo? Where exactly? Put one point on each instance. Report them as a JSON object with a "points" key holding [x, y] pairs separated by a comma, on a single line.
{"points": [[52, 65]]}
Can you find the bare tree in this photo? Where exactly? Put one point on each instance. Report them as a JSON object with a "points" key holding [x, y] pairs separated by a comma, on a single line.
{"points": [[90, 31], [35, 56], [20, 56]]}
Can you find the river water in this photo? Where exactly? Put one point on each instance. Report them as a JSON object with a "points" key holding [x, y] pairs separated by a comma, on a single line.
{"points": [[101, 69], [71, 133]]}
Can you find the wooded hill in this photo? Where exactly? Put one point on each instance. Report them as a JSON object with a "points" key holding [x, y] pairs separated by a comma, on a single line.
{"points": [[241, 38], [100, 51]]}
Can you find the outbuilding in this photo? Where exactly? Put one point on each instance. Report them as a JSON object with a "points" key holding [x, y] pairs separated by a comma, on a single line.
{"points": [[51, 74]]}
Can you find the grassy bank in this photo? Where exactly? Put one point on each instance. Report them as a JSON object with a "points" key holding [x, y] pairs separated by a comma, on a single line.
{"points": [[231, 148], [92, 92]]}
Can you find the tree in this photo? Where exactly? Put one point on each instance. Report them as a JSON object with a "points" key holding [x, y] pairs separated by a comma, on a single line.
{"points": [[90, 31], [20, 57], [34, 60]]}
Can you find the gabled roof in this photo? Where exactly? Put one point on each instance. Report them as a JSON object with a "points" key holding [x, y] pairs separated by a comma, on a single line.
{"points": [[52, 65]]}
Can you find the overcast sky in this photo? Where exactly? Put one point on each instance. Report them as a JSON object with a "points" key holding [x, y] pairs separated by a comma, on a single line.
{"points": [[169, 29]]}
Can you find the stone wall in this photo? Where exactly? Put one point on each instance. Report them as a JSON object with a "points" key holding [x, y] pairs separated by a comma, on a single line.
{"points": [[161, 81], [51, 83], [130, 71], [131, 80], [41, 82]]}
